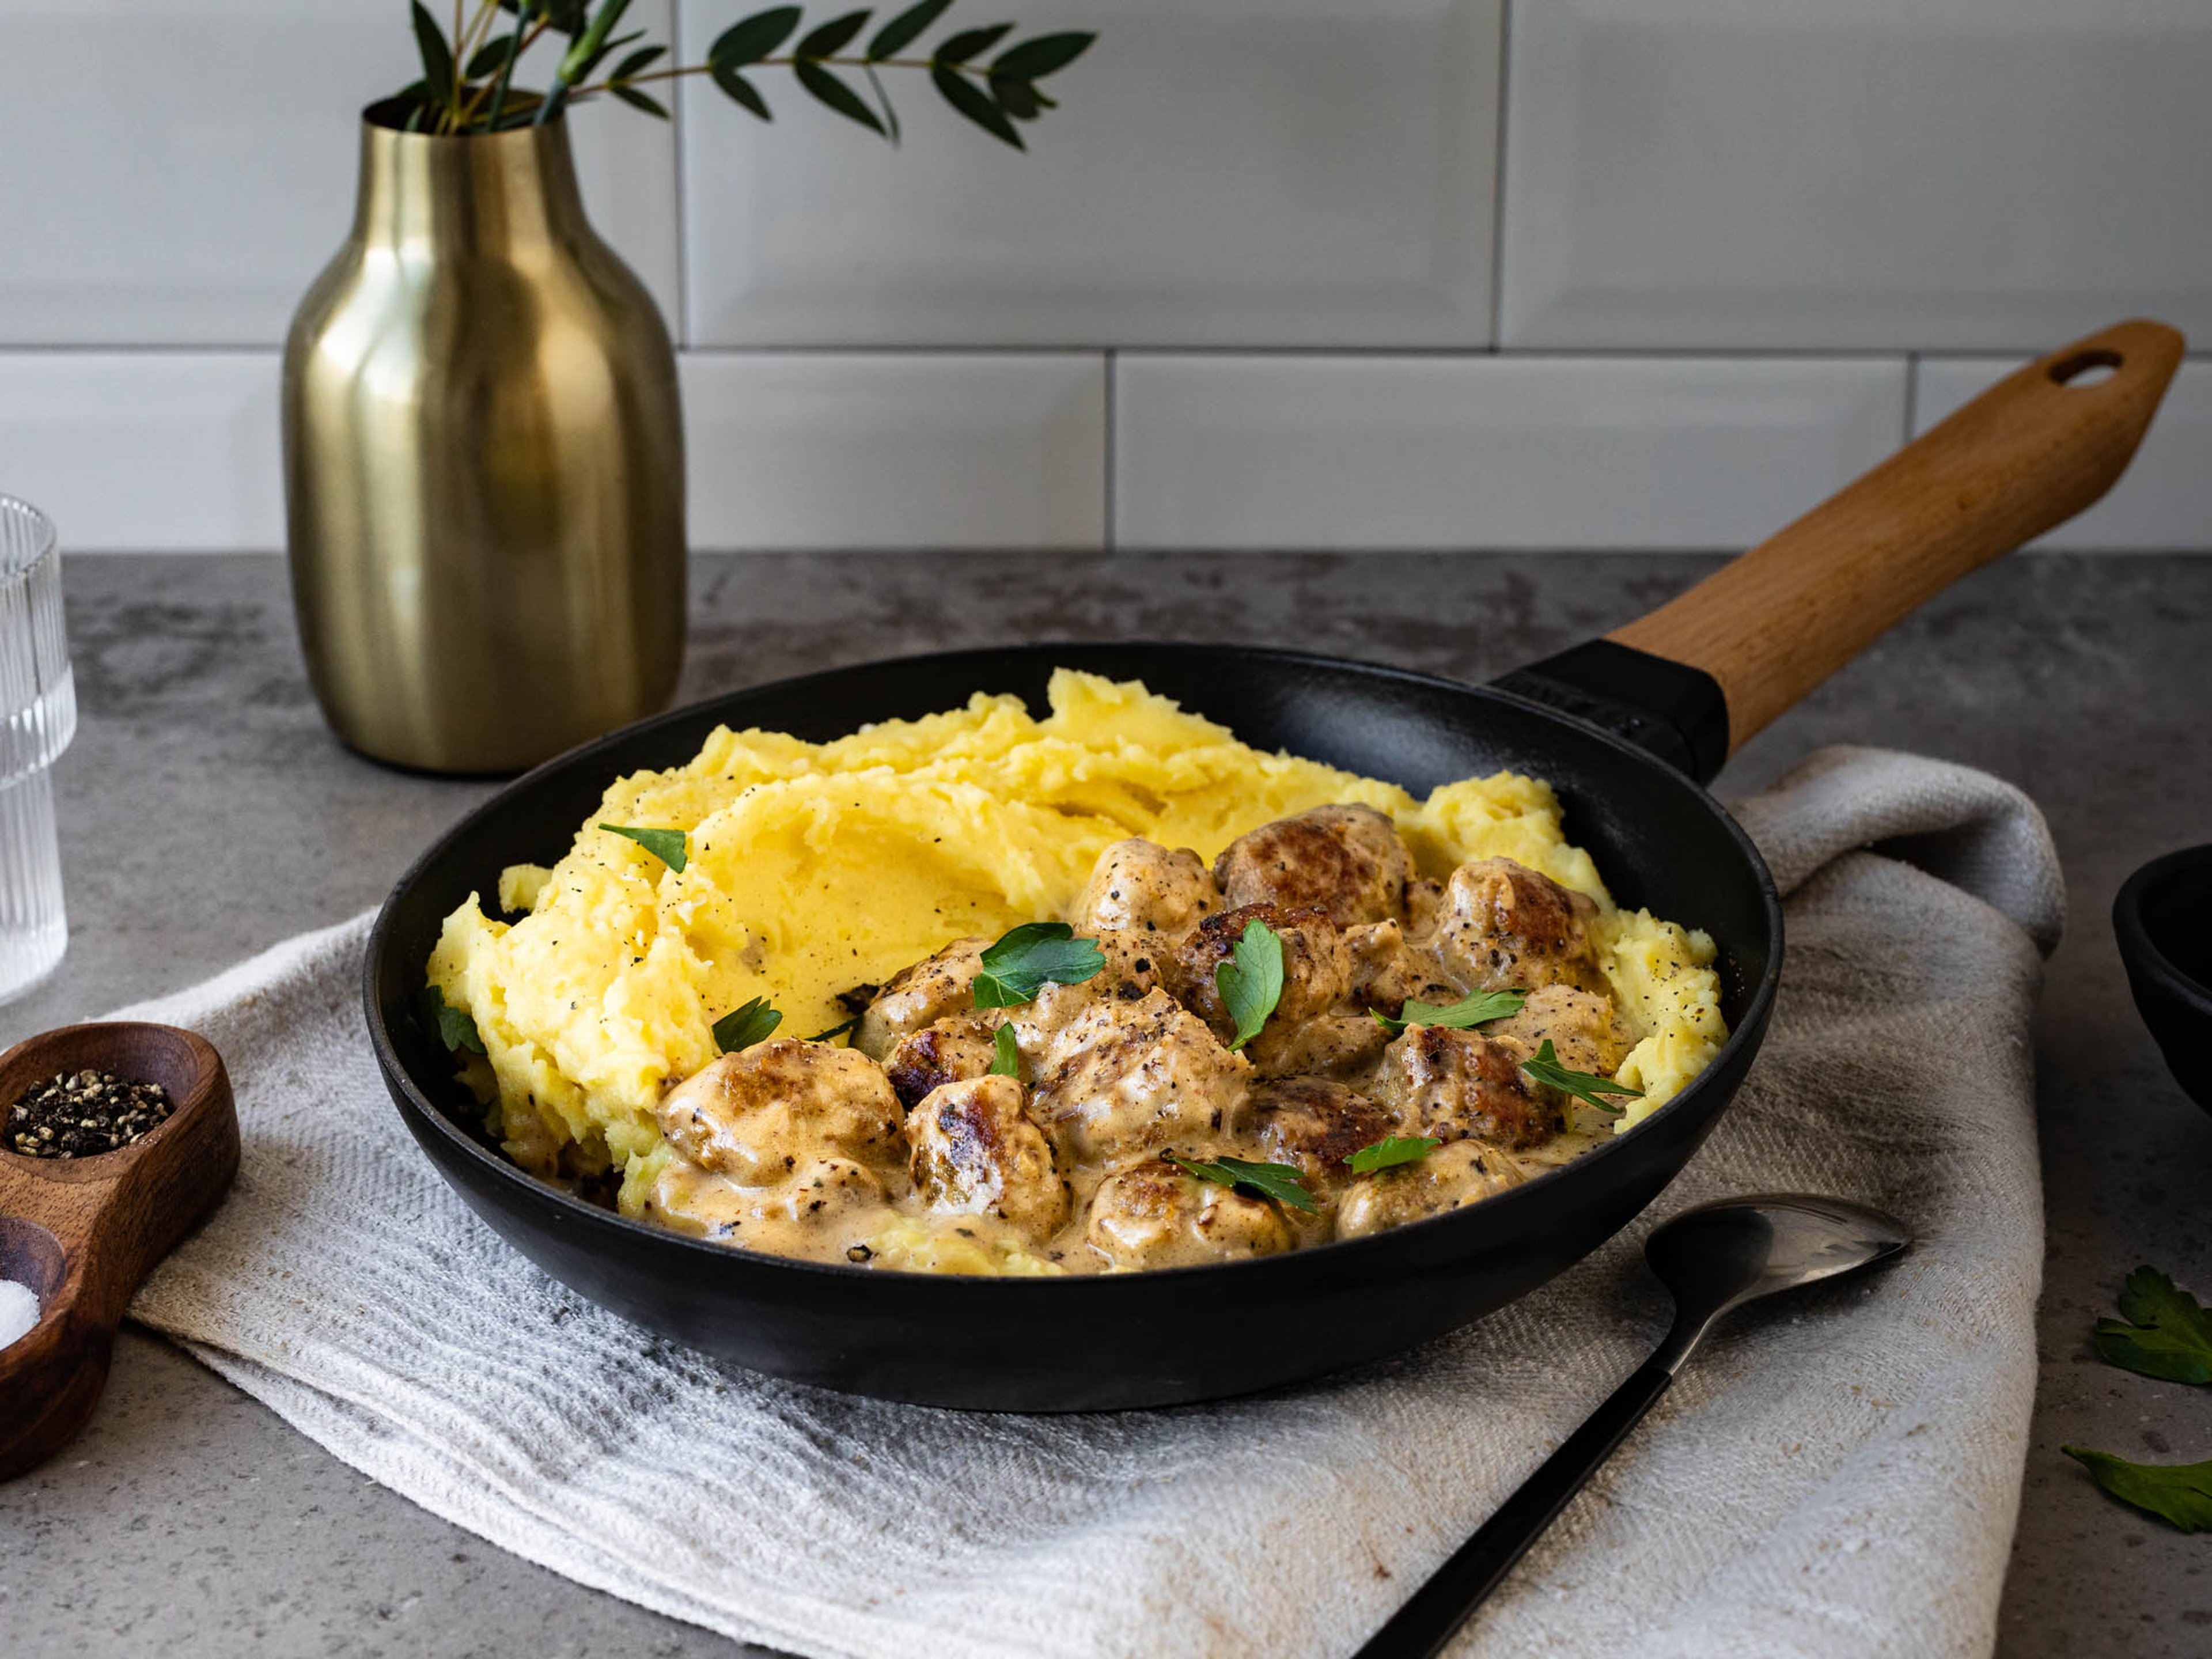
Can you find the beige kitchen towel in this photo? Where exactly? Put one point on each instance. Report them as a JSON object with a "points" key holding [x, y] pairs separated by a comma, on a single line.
{"points": [[1836, 1474]]}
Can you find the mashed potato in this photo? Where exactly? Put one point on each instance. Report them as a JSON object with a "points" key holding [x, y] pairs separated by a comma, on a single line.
{"points": [[816, 868]]}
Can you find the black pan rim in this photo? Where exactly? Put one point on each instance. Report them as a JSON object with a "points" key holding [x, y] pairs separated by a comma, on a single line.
{"points": [[1748, 1031]]}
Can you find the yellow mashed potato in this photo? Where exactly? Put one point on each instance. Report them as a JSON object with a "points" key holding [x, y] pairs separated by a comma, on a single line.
{"points": [[814, 868]]}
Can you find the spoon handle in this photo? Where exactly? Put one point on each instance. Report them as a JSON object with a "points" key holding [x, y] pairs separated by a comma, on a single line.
{"points": [[1429, 1619]]}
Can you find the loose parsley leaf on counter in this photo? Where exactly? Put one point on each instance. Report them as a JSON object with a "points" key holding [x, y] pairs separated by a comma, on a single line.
{"points": [[1022, 963], [1391, 1150], [2161, 1333], [744, 1026], [452, 1026], [1251, 984], [835, 1031], [1544, 1066], [1007, 1060], [667, 845], [1462, 1016], [1280, 1182], [2178, 1492]]}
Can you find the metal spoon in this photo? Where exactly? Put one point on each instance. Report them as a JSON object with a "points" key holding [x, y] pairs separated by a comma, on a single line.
{"points": [[1713, 1258]]}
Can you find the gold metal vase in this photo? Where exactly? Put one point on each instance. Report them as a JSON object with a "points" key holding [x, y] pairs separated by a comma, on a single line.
{"points": [[483, 463]]}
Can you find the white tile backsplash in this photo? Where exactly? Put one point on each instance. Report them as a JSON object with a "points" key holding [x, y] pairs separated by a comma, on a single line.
{"points": [[1220, 172], [1866, 173], [141, 451], [2164, 500], [176, 174], [909, 449], [1382, 451]]}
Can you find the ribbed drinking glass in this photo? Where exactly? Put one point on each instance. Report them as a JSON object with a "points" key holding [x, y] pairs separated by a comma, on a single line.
{"points": [[38, 717]]}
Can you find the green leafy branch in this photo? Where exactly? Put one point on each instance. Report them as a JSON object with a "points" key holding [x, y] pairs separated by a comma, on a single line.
{"points": [[468, 73]]}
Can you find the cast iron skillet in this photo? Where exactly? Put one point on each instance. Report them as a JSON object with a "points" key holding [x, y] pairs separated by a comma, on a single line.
{"points": [[1627, 729]]}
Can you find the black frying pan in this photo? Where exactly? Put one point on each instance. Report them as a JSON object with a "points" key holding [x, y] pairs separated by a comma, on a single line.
{"points": [[1627, 729]]}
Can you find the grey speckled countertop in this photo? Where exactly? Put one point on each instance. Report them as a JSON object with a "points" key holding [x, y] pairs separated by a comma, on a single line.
{"points": [[207, 813]]}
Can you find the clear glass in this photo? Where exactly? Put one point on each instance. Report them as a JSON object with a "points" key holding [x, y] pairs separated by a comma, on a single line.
{"points": [[38, 718]]}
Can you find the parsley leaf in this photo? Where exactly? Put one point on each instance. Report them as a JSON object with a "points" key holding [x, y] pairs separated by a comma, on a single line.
{"points": [[2162, 1332], [1462, 1016], [2179, 1492], [668, 846], [1020, 965], [452, 1026], [1007, 1059], [835, 1031], [1544, 1066], [1251, 982], [1392, 1149], [743, 1027], [1280, 1182]]}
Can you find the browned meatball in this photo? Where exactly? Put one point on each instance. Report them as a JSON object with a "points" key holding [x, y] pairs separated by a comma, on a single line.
{"points": [[1154, 1215], [1317, 968], [976, 1151], [1327, 1045], [919, 996], [755, 1114], [1316, 1125], [1450, 1178], [1140, 886], [1346, 862], [1387, 970], [1583, 1028], [1505, 926], [1457, 1084], [1128, 1076], [958, 1046]]}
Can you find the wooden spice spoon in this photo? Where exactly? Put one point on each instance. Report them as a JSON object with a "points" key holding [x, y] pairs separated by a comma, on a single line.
{"points": [[84, 1232]]}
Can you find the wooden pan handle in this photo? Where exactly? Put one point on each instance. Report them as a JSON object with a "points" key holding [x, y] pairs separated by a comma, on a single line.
{"points": [[2028, 453]]}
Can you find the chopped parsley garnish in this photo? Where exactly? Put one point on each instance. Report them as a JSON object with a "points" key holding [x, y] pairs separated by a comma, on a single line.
{"points": [[668, 846], [1392, 1150], [1251, 984], [744, 1026], [1007, 1060], [1031, 956], [2181, 1493], [1544, 1067], [2161, 1331], [1280, 1182], [452, 1026], [1462, 1016], [835, 1031]]}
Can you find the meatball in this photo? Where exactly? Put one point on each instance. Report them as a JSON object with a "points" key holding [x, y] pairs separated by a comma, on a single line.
{"points": [[1504, 926], [1315, 1124], [919, 996], [1457, 1084], [1583, 1030], [1316, 968], [1450, 1178], [1156, 1216], [756, 1114], [1129, 1076], [1346, 862], [976, 1151], [1140, 886], [1327, 1045], [1134, 965], [1387, 970], [958, 1046]]}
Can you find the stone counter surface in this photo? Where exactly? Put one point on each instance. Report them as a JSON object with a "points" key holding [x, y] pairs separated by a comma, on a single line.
{"points": [[207, 813]]}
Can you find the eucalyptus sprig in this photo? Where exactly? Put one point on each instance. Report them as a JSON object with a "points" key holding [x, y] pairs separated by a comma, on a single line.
{"points": [[468, 74]]}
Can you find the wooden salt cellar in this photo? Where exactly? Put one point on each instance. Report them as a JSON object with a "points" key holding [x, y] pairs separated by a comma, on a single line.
{"points": [[84, 1232]]}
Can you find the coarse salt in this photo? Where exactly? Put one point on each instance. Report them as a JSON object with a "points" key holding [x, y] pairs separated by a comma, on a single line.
{"points": [[19, 1310]]}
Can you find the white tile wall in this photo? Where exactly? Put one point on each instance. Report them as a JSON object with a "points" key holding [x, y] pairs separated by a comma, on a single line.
{"points": [[1875, 173], [1284, 215], [1220, 172], [1489, 451], [2165, 498], [896, 450], [177, 170]]}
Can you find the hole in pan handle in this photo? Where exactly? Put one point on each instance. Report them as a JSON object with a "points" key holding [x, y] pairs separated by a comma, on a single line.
{"points": [[1694, 680]]}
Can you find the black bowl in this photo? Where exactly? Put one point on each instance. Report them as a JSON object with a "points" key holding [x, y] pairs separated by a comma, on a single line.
{"points": [[2163, 918]]}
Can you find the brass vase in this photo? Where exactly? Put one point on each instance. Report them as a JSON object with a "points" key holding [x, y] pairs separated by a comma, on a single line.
{"points": [[483, 463]]}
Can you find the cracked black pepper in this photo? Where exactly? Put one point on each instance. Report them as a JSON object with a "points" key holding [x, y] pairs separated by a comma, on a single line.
{"points": [[84, 1114]]}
